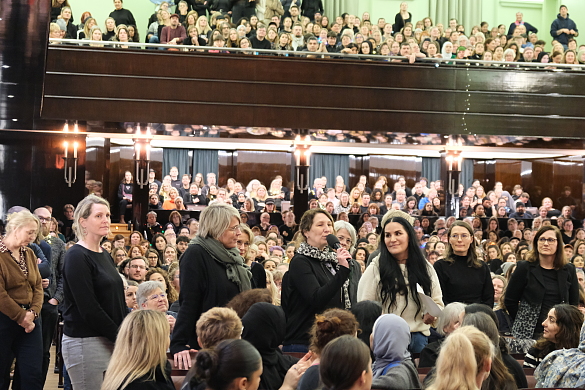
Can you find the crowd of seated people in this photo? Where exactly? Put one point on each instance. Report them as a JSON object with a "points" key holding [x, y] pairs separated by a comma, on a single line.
{"points": [[304, 27], [289, 279]]}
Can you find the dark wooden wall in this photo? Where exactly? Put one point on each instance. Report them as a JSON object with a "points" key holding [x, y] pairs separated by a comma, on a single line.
{"points": [[540, 178]]}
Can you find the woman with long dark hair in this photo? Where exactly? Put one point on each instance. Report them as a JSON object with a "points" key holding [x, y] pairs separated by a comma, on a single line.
{"points": [[390, 276]]}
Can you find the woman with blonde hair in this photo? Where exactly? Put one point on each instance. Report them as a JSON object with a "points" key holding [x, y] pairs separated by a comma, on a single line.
{"points": [[465, 360], [140, 356]]}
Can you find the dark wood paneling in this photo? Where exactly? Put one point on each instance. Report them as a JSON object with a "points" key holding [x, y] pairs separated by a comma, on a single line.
{"points": [[542, 181], [263, 166], [394, 166], [508, 172], [567, 172], [227, 166], [271, 91], [356, 169]]}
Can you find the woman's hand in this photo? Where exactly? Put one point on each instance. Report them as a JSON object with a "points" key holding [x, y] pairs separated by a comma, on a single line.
{"points": [[428, 319], [28, 322], [183, 359], [342, 257], [172, 321], [294, 374], [45, 283]]}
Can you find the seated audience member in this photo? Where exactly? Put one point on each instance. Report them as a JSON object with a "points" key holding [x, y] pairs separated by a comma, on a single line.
{"points": [[393, 367], [242, 302], [264, 327], [561, 330], [563, 368], [366, 313], [506, 372], [346, 364], [151, 296], [327, 326], [465, 360], [139, 360], [130, 294], [137, 269], [160, 275], [448, 322]]}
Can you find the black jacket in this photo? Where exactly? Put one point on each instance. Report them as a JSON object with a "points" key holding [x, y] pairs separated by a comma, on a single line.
{"points": [[527, 283], [308, 288], [159, 382], [204, 285]]}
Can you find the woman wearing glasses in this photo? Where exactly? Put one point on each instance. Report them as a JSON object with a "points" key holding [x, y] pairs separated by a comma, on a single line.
{"points": [[214, 273], [463, 276], [544, 280]]}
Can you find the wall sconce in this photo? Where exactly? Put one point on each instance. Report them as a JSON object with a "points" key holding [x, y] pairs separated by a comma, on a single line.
{"points": [[142, 155], [302, 147], [70, 166], [454, 160]]}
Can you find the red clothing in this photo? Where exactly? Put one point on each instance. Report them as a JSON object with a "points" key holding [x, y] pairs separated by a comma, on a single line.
{"points": [[168, 34]]}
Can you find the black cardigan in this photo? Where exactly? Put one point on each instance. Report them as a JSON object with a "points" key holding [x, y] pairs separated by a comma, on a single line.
{"points": [[308, 288], [159, 382], [527, 283], [204, 285]]}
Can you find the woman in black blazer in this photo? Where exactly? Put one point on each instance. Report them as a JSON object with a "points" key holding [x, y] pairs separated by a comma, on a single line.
{"points": [[545, 279]]}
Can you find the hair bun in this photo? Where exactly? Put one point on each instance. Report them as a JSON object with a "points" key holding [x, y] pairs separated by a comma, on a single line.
{"points": [[205, 364]]}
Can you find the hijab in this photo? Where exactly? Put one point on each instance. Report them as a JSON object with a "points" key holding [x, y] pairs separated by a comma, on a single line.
{"points": [[563, 368], [391, 337], [264, 327], [444, 52]]}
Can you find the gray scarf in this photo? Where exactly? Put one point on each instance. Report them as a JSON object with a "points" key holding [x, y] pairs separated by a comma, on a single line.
{"points": [[230, 258]]}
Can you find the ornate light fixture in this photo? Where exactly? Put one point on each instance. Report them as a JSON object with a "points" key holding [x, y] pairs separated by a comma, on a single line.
{"points": [[302, 151], [142, 155], [70, 166]]}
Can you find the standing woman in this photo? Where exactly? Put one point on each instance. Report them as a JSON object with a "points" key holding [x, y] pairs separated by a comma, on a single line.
{"points": [[21, 303], [402, 17], [463, 276], [318, 279], [544, 280], [125, 194], [212, 273], [391, 274], [94, 305]]}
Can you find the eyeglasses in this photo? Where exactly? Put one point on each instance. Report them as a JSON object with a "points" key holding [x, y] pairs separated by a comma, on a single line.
{"points": [[153, 257], [460, 236], [157, 297], [136, 266], [543, 240], [42, 219], [233, 229]]}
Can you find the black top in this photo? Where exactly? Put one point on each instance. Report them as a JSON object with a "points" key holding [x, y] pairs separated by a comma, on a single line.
{"points": [[124, 188], [516, 370], [94, 303], [123, 16], [308, 288], [552, 296], [159, 382], [204, 285], [495, 265], [462, 283], [260, 44], [528, 284], [311, 379], [287, 233]]}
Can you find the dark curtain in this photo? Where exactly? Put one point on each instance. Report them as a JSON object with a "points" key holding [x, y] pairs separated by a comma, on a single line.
{"points": [[467, 173], [176, 158], [431, 168], [330, 166], [205, 161]]}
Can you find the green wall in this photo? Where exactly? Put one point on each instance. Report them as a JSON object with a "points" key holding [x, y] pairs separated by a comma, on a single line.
{"points": [[540, 13]]}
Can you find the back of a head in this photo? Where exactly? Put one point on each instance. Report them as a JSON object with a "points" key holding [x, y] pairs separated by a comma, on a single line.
{"points": [[366, 314], [484, 323], [242, 302], [140, 348], [218, 324], [329, 325], [450, 314], [229, 360], [480, 307], [462, 354], [343, 361]]}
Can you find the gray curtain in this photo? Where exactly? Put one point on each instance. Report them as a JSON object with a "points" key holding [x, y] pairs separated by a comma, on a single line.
{"points": [[467, 173], [467, 12], [431, 168], [176, 158], [330, 166], [205, 161]]}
